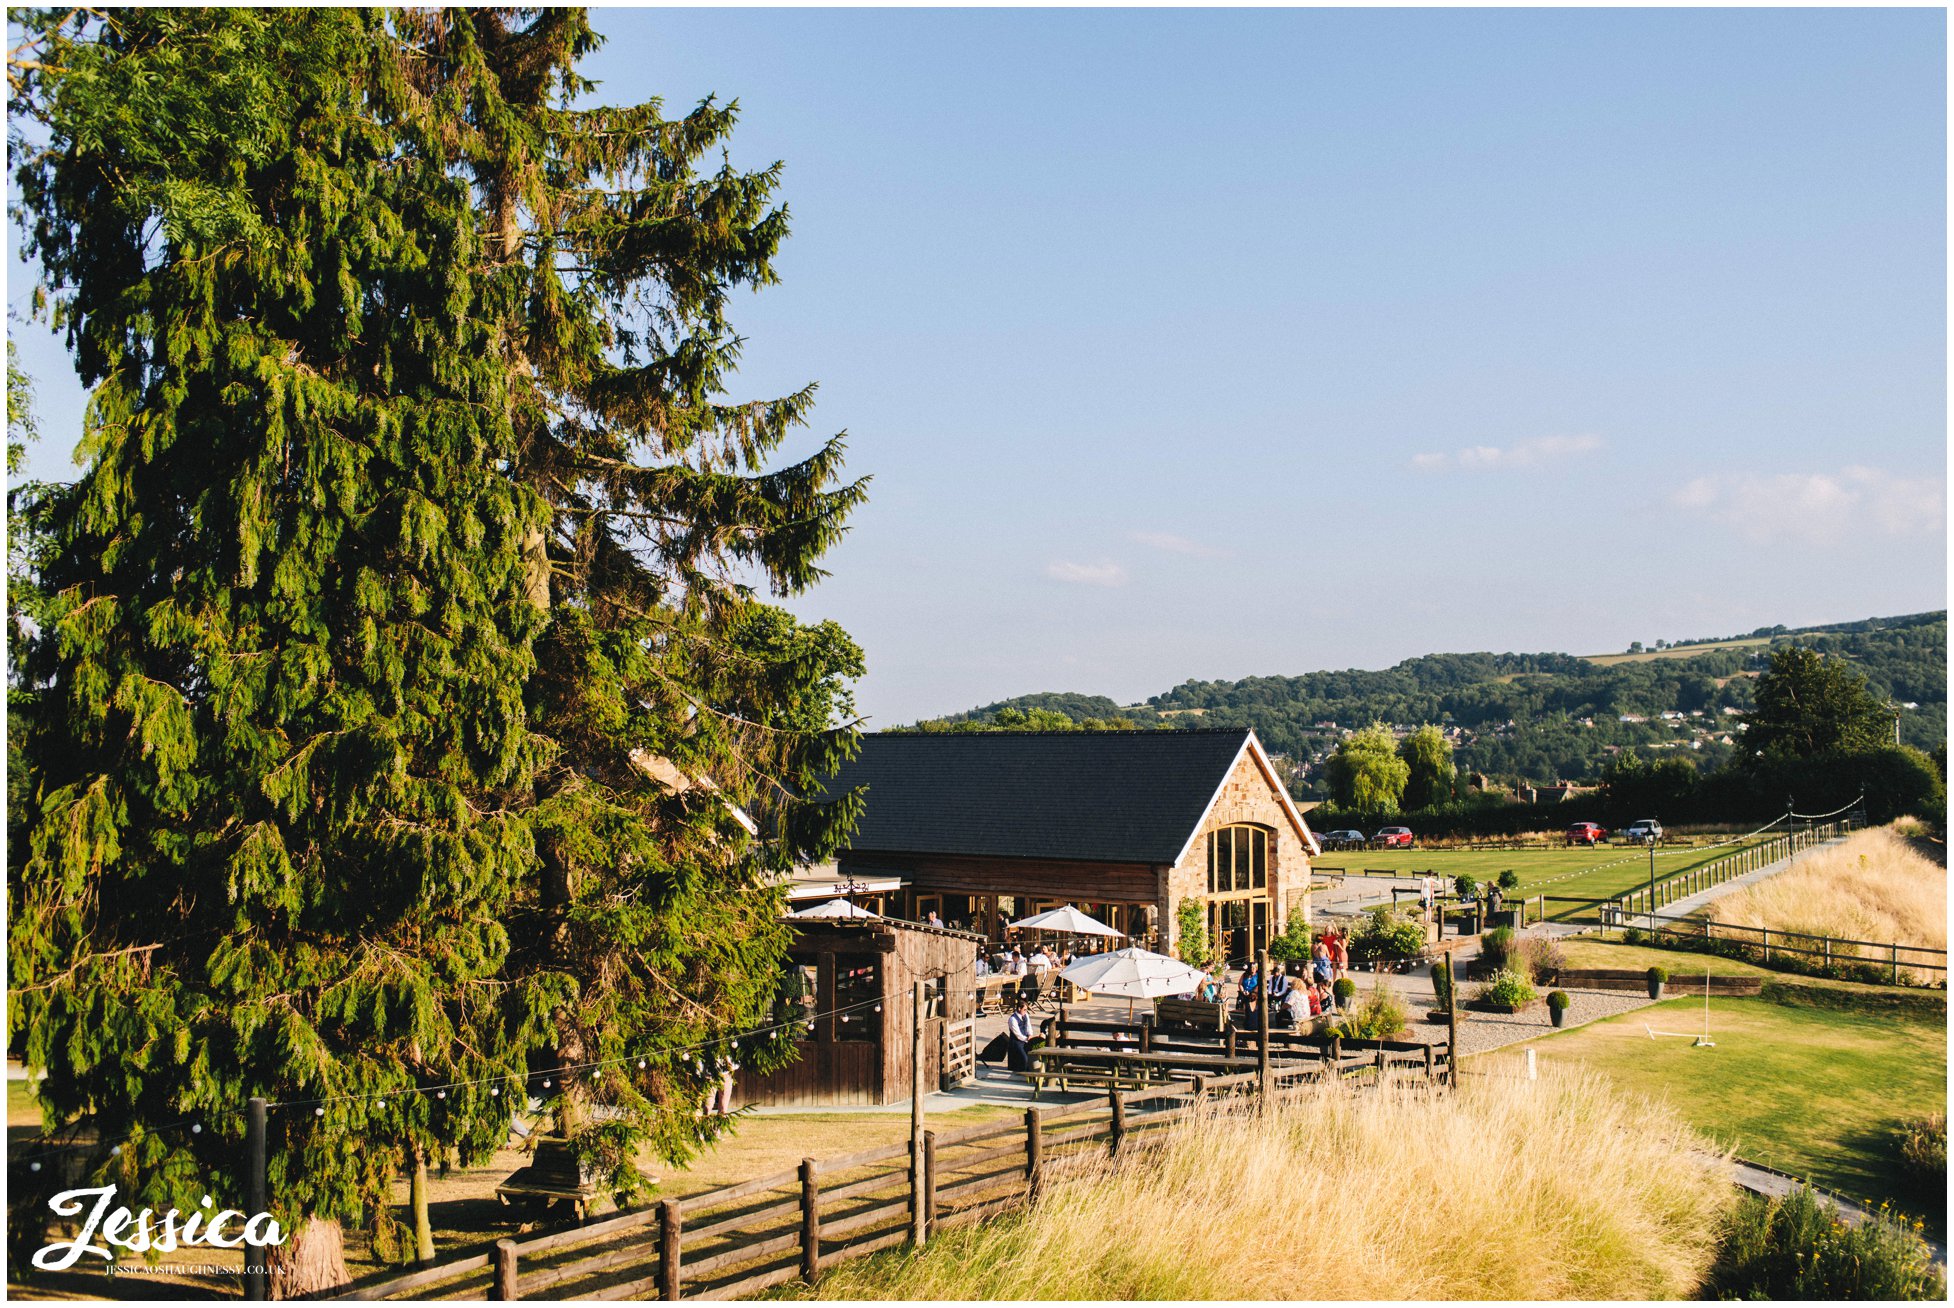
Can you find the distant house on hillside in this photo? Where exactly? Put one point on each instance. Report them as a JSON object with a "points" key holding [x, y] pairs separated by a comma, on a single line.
{"points": [[1557, 793], [985, 828]]}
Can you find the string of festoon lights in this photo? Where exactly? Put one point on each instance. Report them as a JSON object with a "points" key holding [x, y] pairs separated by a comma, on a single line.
{"points": [[700, 1052]]}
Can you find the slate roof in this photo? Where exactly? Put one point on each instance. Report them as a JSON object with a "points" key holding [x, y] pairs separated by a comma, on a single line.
{"points": [[1095, 796]]}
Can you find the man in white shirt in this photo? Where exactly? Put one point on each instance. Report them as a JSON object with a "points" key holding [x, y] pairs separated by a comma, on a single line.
{"points": [[1040, 963], [1018, 966]]}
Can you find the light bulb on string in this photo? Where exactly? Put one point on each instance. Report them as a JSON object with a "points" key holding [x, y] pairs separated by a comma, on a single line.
{"points": [[196, 1128], [495, 1092], [641, 1064], [319, 1111]]}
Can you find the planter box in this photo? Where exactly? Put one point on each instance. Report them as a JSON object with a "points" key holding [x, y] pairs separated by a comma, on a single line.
{"points": [[1488, 1006], [1439, 1015]]}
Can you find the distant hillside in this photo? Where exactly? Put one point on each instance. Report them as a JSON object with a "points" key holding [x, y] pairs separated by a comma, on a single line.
{"points": [[1538, 717]]}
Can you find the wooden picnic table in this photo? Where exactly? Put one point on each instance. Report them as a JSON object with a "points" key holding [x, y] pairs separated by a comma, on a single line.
{"points": [[1116, 1057]]}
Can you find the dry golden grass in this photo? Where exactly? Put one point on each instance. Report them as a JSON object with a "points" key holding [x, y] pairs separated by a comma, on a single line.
{"points": [[1507, 1189], [1873, 886]]}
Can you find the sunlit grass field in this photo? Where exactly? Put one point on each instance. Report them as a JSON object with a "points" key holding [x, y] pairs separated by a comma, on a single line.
{"points": [[1555, 1189], [1811, 1091], [1597, 873]]}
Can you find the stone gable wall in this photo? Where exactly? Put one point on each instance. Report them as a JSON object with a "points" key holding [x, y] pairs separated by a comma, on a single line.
{"points": [[1245, 797]]}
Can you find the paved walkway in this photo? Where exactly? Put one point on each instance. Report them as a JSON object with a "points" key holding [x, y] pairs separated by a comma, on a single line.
{"points": [[1763, 1180], [1703, 898]]}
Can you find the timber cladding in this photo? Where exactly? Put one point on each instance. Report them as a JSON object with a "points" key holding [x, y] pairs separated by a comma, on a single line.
{"points": [[865, 1060]]}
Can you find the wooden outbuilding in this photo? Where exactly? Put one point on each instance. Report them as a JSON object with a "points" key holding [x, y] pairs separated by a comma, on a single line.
{"points": [[853, 980]]}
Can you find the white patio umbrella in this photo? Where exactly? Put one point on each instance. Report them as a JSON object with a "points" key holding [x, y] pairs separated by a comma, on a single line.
{"points": [[835, 908], [1135, 974], [1068, 921]]}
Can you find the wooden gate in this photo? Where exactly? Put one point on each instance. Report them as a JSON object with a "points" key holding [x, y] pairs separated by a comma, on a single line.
{"points": [[959, 1060]]}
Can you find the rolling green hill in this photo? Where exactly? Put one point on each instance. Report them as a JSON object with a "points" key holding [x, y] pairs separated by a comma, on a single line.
{"points": [[1537, 717]]}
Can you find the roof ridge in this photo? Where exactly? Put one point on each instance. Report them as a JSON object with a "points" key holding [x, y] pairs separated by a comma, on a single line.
{"points": [[1123, 731]]}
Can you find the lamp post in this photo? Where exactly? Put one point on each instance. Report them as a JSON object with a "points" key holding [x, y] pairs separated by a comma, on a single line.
{"points": [[1651, 839]]}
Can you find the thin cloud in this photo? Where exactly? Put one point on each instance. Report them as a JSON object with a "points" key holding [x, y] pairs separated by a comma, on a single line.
{"points": [[1167, 542], [1530, 453], [1818, 507], [1087, 574]]}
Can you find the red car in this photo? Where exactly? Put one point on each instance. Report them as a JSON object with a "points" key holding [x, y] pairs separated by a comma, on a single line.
{"points": [[1585, 833], [1393, 838]]}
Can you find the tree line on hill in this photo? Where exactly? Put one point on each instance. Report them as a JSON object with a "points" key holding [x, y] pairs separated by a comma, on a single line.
{"points": [[1529, 717], [1815, 739]]}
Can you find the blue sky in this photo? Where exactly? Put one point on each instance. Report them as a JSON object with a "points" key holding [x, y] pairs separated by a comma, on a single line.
{"points": [[1209, 344]]}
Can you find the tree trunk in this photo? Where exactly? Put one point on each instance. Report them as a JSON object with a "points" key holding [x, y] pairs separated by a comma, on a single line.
{"points": [[423, 1227], [312, 1259]]}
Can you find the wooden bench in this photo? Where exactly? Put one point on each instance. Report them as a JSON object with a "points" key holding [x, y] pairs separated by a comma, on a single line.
{"points": [[553, 1176], [1101, 1069], [1207, 1015]]}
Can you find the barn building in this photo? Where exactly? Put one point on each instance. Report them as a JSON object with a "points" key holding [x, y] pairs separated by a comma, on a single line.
{"points": [[986, 827]]}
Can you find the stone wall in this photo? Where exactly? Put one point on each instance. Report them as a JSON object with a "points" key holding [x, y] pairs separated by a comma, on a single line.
{"points": [[1247, 796]]}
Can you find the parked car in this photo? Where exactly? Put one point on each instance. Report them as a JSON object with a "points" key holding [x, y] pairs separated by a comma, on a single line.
{"points": [[1393, 838], [1585, 833], [1341, 840], [1646, 829]]}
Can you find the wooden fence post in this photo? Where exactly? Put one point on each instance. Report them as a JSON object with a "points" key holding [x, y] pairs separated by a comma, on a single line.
{"points": [[929, 1183], [505, 1272], [1033, 1154], [1451, 1023], [1262, 1036], [1894, 954], [1380, 1066], [1146, 1037], [919, 1001], [1429, 1073], [810, 1222], [1119, 1120], [1229, 1039], [670, 1282]]}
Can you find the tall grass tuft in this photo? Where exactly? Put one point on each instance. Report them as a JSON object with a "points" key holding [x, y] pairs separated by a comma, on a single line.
{"points": [[1873, 886], [1504, 1189]]}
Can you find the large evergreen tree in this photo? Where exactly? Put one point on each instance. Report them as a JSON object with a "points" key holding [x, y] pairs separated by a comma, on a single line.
{"points": [[404, 714], [684, 719]]}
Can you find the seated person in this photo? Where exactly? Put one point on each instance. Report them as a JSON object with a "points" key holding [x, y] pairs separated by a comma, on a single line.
{"points": [[1300, 1006]]}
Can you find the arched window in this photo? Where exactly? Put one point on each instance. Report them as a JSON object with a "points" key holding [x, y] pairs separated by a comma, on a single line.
{"points": [[1238, 859]]}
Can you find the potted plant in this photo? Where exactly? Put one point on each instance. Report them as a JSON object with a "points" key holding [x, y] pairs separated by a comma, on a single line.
{"points": [[1557, 1003], [1345, 990], [1657, 976]]}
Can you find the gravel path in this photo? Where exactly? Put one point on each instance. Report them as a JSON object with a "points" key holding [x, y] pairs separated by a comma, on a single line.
{"points": [[1480, 1032]]}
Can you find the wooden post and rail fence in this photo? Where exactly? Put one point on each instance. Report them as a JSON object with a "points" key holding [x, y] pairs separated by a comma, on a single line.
{"points": [[793, 1224]]}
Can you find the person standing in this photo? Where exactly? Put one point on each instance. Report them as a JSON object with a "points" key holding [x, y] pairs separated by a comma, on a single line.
{"points": [[1018, 1028], [1340, 952], [1320, 960]]}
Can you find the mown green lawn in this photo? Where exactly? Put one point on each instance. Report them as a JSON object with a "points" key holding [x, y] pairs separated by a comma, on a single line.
{"points": [[1812, 1091], [1596, 873]]}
